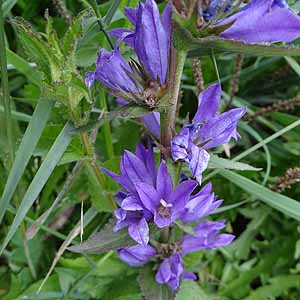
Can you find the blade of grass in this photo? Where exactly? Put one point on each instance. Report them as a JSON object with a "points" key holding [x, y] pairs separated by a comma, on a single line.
{"points": [[111, 12], [5, 89], [87, 219], [33, 230], [23, 67], [7, 6], [26, 148], [284, 204], [17, 115], [259, 145], [40, 179]]}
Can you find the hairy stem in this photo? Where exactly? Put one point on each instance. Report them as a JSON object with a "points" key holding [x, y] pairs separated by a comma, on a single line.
{"points": [[5, 90], [169, 103]]}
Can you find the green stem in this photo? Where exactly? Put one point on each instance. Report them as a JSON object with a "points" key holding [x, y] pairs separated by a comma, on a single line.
{"points": [[106, 128], [169, 103], [5, 88], [101, 23]]}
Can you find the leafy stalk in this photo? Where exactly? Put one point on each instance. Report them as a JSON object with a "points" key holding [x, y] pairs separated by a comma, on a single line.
{"points": [[5, 89]]}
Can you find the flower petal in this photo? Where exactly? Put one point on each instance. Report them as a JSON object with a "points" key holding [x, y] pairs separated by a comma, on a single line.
{"points": [[263, 21], [148, 195], [136, 256], [139, 232], [208, 103]]}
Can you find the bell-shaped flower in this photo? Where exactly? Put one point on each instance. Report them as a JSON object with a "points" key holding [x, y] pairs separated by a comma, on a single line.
{"points": [[164, 202], [206, 237], [112, 71], [137, 255], [200, 205], [171, 271], [150, 37], [208, 130], [138, 167], [263, 21]]}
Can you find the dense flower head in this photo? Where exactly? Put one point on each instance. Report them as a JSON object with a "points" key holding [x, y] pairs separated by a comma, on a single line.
{"points": [[208, 130], [149, 196]]}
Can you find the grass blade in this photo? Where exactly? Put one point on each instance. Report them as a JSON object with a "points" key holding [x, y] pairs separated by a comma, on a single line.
{"points": [[87, 219], [7, 6], [26, 148], [23, 67], [40, 179], [5, 90], [284, 204]]}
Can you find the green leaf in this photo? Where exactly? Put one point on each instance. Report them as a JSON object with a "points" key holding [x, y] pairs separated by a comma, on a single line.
{"points": [[7, 6], [190, 290], [88, 217], [111, 12], [26, 148], [222, 163], [277, 287], [284, 204], [40, 179], [203, 46], [104, 241], [150, 288], [23, 67]]}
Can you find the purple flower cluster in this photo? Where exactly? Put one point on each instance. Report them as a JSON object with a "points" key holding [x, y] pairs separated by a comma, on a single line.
{"points": [[148, 196], [208, 130]]}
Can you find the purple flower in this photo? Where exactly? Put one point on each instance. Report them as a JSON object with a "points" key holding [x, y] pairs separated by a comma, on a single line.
{"points": [[138, 167], [206, 237], [164, 202], [200, 205], [171, 270], [137, 255], [208, 130], [150, 37], [263, 21], [112, 71]]}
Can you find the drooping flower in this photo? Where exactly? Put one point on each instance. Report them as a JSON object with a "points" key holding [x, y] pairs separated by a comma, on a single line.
{"points": [[207, 131], [263, 21], [164, 202], [150, 38], [137, 255]]}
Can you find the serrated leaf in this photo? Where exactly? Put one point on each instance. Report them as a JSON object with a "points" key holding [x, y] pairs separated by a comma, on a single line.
{"points": [[203, 46], [222, 163], [105, 240], [151, 290]]}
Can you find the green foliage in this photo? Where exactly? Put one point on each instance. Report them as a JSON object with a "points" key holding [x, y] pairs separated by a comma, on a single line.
{"points": [[47, 208]]}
